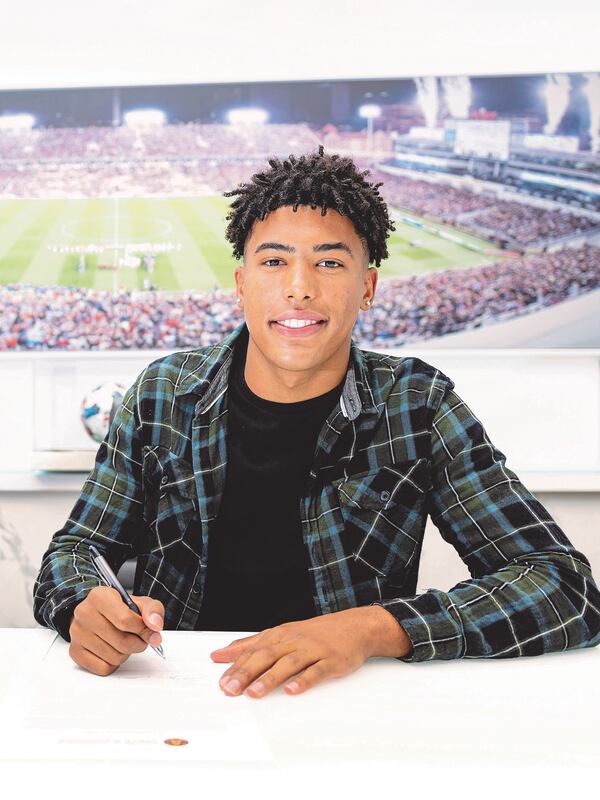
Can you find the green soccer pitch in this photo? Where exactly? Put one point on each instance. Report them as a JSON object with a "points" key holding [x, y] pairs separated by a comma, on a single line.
{"points": [[32, 233]]}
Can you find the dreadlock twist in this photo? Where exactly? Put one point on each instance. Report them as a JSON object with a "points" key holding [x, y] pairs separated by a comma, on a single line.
{"points": [[316, 179]]}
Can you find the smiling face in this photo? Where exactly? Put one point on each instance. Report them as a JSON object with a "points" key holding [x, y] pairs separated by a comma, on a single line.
{"points": [[300, 264]]}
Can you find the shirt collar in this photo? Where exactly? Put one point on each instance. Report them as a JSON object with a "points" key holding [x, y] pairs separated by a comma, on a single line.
{"points": [[210, 377]]}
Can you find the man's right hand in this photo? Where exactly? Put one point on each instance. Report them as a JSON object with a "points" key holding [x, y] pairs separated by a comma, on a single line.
{"points": [[104, 631]]}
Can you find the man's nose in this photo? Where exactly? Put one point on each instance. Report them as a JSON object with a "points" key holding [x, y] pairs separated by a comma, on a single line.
{"points": [[300, 281]]}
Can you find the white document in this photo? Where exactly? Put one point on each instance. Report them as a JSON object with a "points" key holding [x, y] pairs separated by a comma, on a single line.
{"points": [[149, 708]]}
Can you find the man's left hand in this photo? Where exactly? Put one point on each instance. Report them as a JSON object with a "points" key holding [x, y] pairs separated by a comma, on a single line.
{"points": [[328, 646]]}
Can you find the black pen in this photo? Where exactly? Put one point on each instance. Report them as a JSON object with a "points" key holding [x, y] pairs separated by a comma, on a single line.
{"points": [[103, 569]]}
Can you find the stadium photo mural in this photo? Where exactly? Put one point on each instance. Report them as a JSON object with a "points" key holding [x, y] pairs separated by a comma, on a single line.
{"points": [[113, 214]]}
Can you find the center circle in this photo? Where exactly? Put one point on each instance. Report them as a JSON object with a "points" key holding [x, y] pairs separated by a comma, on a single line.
{"points": [[165, 227]]}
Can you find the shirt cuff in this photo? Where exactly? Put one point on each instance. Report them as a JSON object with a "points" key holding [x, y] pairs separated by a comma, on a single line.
{"points": [[62, 621], [435, 631], [63, 605]]}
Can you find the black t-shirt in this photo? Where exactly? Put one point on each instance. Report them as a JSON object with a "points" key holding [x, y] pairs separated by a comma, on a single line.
{"points": [[257, 561]]}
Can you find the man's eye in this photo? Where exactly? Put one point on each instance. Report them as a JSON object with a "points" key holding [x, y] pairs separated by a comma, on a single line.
{"points": [[329, 261]]}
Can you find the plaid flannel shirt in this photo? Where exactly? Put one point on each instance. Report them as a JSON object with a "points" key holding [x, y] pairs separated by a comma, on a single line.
{"points": [[400, 444]]}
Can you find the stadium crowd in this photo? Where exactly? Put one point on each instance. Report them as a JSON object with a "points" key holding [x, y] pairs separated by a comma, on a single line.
{"points": [[441, 201], [527, 224], [505, 220], [405, 309], [424, 306], [70, 318], [126, 143]]}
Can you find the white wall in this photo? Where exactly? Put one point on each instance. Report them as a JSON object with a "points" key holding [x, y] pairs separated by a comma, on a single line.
{"points": [[127, 42]]}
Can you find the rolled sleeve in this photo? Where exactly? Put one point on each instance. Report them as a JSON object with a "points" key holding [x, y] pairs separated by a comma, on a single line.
{"points": [[531, 592]]}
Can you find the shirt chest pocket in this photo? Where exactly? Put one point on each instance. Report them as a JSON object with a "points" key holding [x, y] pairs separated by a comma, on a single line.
{"points": [[384, 516], [170, 507]]}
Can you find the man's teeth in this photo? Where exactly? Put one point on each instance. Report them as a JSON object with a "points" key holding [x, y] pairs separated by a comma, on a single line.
{"points": [[297, 323]]}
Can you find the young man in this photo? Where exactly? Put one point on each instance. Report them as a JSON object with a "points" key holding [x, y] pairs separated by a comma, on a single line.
{"points": [[280, 481]]}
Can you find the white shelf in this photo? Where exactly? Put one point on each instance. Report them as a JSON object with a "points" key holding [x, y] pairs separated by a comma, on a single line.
{"points": [[53, 461]]}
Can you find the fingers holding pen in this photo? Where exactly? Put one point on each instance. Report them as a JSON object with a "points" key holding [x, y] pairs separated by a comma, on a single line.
{"points": [[146, 626], [90, 621], [144, 617], [104, 631]]}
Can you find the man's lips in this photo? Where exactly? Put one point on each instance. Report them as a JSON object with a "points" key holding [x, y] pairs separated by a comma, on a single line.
{"points": [[296, 313], [305, 330]]}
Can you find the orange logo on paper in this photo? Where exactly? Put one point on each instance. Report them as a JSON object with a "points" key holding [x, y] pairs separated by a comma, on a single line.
{"points": [[176, 742]]}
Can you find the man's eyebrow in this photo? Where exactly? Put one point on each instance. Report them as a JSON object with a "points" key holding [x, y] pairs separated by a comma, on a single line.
{"points": [[318, 248], [275, 246]]}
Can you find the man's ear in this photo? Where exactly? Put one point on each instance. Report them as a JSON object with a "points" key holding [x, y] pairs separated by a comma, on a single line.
{"points": [[239, 283], [371, 277]]}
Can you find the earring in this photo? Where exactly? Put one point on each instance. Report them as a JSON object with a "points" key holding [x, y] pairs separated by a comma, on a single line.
{"points": [[368, 302], [239, 300]]}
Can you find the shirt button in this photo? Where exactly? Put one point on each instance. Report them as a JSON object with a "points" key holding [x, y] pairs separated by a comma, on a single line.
{"points": [[384, 496], [195, 590], [164, 479]]}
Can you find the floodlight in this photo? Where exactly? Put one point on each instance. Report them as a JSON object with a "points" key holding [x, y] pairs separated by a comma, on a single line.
{"points": [[144, 117], [236, 116], [369, 111], [17, 121]]}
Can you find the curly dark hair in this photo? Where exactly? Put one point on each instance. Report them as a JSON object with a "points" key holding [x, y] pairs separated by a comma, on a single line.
{"points": [[316, 179]]}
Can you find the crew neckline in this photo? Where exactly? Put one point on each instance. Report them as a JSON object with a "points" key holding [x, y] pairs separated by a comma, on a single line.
{"points": [[237, 376]]}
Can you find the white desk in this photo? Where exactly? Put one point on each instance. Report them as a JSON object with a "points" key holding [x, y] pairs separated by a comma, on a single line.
{"points": [[534, 713]]}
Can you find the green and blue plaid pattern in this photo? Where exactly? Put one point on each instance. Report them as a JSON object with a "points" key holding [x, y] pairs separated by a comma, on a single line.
{"points": [[400, 445]]}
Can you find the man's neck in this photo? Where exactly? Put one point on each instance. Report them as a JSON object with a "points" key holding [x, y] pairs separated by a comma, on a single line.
{"points": [[290, 386]]}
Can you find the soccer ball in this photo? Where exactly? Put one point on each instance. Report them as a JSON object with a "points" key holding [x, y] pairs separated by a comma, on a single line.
{"points": [[98, 408]]}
